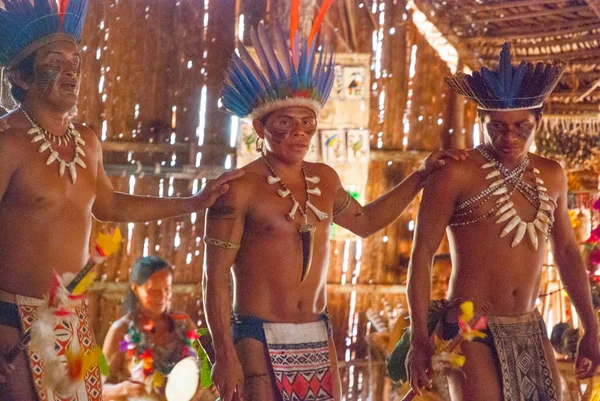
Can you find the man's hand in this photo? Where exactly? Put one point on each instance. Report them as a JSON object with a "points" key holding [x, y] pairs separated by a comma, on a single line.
{"points": [[6, 369], [588, 356], [228, 376], [4, 125], [215, 188], [418, 363], [130, 388], [438, 158]]}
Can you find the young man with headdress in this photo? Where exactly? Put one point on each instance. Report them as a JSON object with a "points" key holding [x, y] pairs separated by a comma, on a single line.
{"points": [[501, 206], [51, 182], [273, 228]]}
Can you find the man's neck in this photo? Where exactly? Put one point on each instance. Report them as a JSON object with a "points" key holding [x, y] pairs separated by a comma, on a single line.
{"points": [[283, 168], [508, 163], [54, 122]]}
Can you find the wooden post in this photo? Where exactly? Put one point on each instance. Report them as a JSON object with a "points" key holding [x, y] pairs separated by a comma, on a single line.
{"points": [[453, 137]]}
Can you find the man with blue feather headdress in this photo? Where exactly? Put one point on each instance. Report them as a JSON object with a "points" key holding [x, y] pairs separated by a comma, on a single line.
{"points": [[51, 182], [500, 207], [273, 228]]}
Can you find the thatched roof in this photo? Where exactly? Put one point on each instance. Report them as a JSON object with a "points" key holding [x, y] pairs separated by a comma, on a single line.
{"points": [[539, 30]]}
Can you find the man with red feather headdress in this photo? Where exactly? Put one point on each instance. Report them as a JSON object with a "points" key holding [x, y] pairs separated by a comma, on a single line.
{"points": [[273, 227]]}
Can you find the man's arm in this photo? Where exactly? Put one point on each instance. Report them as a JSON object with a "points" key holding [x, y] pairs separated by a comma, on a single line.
{"points": [[224, 230], [574, 277], [120, 207], [367, 220], [439, 197]]}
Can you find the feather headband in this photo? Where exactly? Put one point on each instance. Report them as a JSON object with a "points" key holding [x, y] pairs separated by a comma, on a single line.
{"points": [[521, 87], [284, 76], [27, 25]]}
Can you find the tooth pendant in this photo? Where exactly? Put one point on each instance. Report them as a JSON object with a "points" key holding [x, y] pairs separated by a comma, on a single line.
{"points": [[313, 180], [273, 180], [488, 165], [503, 199], [80, 162], [539, 181], [507, 215], [545, 206], [493, 174], [320, 215], [500, 191], [44, 146], [283, 193], [72, 172], [292, 214], [33, 130], [543, 217], [535, 170], [521, 228], [541, 226], [533, 237], [80, 151], [53, 156], [314, 191], [61, 168], [79, 141], [504, 208], [496, 183], [37, 138], [510, 226]]}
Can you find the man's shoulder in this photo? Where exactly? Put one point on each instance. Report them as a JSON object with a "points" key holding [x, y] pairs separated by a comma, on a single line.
{"points": [[324, 171], [87, 134], [459, 170], [546, 165]]}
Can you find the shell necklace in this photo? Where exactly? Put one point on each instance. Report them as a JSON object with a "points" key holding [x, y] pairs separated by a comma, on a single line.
{"points": [[40, 134]]}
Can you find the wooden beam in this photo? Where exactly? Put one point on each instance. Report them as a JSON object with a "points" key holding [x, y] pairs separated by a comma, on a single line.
{"points": [[567, 56], [532, 14], [503, 36], [581, 25], [559, 108], [502, 5], [465, 54], [129, 146]]}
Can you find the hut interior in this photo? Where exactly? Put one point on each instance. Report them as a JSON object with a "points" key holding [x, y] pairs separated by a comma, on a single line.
{"points": [[152, 74]]}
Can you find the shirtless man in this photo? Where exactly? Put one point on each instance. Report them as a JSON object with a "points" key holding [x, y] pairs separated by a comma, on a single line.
{"points": [[501, 205], [280, 292], [46, 218]]}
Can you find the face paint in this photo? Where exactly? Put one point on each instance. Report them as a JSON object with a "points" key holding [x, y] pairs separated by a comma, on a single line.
{"points": [[523, 131], [45, 78]]}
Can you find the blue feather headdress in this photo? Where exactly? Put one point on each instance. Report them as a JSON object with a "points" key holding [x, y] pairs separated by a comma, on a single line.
{"points": [[284, 76], [27, 25], [521, 87]]}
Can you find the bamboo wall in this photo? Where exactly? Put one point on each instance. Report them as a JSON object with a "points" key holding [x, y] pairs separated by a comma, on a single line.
{"points": [[146, 63]]}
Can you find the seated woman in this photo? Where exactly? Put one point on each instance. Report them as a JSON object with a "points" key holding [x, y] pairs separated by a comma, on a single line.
{"points": [[143, 346]]}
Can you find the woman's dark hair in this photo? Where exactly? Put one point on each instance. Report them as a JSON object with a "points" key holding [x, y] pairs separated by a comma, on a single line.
{"points": [[537, 113], [141, 271], [26, 70]]}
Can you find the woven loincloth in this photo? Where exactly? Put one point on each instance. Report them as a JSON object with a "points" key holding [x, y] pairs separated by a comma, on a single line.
{"points": [[299, 356], [519, 346], [68, 332]]}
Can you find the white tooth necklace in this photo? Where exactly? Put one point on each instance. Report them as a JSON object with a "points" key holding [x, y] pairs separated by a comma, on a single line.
{"points": [[40, 134]]}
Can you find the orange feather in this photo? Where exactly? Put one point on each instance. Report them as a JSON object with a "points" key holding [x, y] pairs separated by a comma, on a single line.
{"points": [[294, 21], [319, 19]]}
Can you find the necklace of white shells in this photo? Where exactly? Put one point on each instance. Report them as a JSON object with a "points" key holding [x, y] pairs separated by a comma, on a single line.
{"points": [[503, 208], [40, 134], [306, 230]]}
